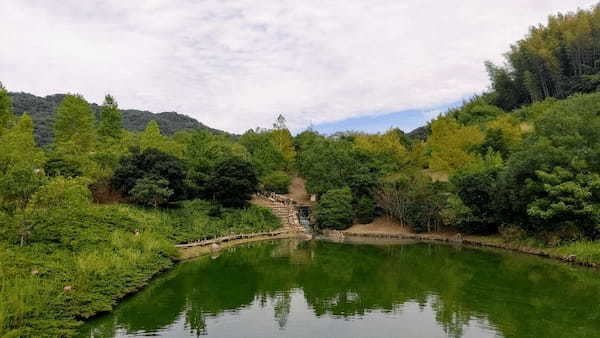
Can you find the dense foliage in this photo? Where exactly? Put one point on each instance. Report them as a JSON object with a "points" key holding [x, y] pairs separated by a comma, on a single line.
{"points": [[150, 169], [42, 111], [522, 159], [66, 258], [334, 210], [554, 60]]}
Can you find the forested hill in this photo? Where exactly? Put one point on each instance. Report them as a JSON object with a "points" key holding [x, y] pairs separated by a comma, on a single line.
{"points": [[41, 110]]}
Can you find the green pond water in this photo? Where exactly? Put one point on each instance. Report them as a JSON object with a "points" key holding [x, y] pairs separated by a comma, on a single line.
{"points": [[295, 288]]}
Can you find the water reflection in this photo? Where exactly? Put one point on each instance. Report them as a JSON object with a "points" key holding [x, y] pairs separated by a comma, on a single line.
{"points": [[315, 288]]}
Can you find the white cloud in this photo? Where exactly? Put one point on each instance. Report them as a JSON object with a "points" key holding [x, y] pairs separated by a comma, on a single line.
{"points": [[236, 64]]}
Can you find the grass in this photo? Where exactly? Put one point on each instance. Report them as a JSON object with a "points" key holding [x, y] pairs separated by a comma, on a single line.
{"points": [[77, 263], [588, 252], [585, 251]]}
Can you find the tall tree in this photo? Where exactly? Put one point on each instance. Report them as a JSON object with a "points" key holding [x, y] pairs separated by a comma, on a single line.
{"points": [[450, 143], [20, 165], [6, 113], [74, 125], [233, 182], [111, 119]]}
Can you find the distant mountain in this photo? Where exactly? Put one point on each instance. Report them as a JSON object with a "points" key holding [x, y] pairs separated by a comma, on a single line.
{"points": [[41, 110], [420, 133]]}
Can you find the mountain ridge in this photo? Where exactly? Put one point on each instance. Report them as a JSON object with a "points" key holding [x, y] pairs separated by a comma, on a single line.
{"points": [[42, 110]]}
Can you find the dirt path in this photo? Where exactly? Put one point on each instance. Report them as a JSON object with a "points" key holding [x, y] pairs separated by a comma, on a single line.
{"points": [[298, 192], [381, 225]]}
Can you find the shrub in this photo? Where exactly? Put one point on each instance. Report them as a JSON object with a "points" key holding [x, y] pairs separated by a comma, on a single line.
{"points": [[477, 187], [62, 167], [511, 233], [150, 163], [365, 210], [277, 181], [334, 210], [151, 190], [233, 182], [62, 193]]}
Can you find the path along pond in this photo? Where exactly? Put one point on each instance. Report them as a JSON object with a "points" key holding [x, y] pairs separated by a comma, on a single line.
{"points": [[296, 288]]}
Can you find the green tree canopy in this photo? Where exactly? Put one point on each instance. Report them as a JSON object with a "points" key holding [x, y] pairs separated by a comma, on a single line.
{"points": [[233, 182], [6, 113], [74, 125], [111, 120], [150, 163], [334, 210]]}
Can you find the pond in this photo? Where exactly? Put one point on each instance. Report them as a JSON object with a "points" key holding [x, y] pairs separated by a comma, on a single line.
{"points": [[295, 288]]}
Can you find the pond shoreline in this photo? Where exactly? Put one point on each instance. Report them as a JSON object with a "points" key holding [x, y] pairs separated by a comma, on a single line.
{"points": [[201, 248], [198, 249], [470, 241]]}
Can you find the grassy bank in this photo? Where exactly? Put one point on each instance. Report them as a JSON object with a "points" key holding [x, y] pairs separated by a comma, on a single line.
{"points": [[76, 263], [580, 252]]}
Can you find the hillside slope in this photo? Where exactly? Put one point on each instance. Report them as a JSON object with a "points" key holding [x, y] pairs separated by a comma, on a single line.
{"points": [[41, 110]]}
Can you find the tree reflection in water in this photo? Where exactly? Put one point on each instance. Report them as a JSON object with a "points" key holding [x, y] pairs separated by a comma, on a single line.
{"points": [[489, 292]]}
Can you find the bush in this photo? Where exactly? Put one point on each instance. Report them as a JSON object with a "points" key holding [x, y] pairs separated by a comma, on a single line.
{"points": [[365, 210], [477, 187], [334, 210], [150, 163], [277, 181], [62, 167], [233, 182], [152, 191], [62, 193], [511, 233]]}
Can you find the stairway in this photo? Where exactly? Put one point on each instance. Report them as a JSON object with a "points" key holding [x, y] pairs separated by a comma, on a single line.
{"points": [[282, 207]]}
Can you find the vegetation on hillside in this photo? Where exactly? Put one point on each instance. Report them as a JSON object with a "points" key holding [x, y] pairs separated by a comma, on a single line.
{"points": [[42, 111], [94, 214], [64, 257]]}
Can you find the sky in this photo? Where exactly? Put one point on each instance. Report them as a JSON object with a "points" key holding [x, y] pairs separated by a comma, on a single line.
{"points": [[237, 64]]}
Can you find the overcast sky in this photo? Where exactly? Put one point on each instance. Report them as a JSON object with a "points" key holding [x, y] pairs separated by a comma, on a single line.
{"points": [[236, 64]]}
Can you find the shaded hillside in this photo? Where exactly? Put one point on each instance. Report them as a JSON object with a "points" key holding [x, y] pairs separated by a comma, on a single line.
{"points": [[42, 110], [420, 133]]}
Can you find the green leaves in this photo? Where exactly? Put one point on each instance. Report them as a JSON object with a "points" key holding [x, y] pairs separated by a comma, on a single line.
{"points": [[111, 120], [151, 190], [74, 125], [6, 113], [334, 210], [571, 196]]}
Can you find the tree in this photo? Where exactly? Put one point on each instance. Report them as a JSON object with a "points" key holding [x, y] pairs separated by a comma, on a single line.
{"points": [[6, 113], [570, 201], [17, 186], [277, 181], [20, 165], [62, 193], [326, 164], [264, 155], [566, 136], [450, 144], [280, 123], [150, 163], [554, 60], [365, 210], [412, 199], [387, 150], [151, 190], [477, 187], [334, 210], [74, 125], [203, 153], [62, 167], [233, 182], [111, 120]]}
